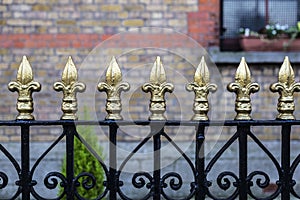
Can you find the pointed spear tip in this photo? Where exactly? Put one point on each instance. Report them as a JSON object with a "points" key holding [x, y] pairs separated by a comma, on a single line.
{"points": [[286, 60], [202, 59], [113, 72], [158, 60], [243, 60], [25, 60], [70, 58], [113, 62], [24, 74], [25, 63], [70, 61]]}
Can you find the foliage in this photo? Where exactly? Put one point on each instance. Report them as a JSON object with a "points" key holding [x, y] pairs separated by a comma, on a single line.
{"points": [[84, 161], [273, 31]]}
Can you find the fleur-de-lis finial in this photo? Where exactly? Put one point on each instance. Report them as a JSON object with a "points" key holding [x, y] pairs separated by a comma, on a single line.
{"points": [[201, 88], [69, 85], [113, 86], [24, 85], [243, 88], [157, 87], [286, 86]]}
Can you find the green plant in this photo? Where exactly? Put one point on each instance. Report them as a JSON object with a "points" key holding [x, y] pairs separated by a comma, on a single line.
{"points": [[273, 31], [84, 161]]}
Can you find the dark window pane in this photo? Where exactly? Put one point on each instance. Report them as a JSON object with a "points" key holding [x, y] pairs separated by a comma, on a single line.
{"points": [[252, 14]]}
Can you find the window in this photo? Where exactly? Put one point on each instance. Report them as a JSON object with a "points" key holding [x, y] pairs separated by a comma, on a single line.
{"points": [[254, 14]]}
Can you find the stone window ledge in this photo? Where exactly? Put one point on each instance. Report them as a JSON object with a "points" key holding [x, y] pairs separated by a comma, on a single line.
{"points": [[227, 57]]}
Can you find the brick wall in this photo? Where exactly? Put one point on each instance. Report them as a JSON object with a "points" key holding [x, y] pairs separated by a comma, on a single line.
{"points": [[48, 31], [94, 20]]}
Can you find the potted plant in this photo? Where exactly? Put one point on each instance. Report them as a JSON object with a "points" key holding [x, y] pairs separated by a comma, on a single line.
{"points": [[273, 37]]}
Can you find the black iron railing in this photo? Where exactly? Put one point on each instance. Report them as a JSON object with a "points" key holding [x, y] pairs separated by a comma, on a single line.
{"points": [[241, 185], [155, 182]]}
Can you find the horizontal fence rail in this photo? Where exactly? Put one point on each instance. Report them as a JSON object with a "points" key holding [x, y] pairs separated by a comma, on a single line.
{"points": [[241, 185]]}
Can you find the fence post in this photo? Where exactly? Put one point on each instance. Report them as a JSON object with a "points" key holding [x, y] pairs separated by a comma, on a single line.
{"points": [[285, 162], [156, 189], [69, 188], [25, 181], [113, 180], [243, 162], [200, 164]]}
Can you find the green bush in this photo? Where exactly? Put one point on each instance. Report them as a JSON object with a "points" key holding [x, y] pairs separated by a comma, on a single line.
{"points": [[84, 161]]}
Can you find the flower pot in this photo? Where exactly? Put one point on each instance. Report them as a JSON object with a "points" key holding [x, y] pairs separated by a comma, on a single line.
{"points": [[261, 44]]}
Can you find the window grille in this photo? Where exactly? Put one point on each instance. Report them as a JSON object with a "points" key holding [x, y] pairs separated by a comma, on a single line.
{"points": [[254, 14]]}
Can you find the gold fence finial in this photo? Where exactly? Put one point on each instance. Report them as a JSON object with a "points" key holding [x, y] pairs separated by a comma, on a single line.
{"points": [[69, 85], [243, 88], [201, 88], [286, 86], [113, 86], [157, 87], [24, 85]]}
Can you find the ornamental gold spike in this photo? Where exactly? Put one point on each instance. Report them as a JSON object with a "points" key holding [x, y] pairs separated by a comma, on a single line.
{"points": [[243, 88], [113, 86], [286, 86], [201, 88], [69, 85], [157, 87], [24, 85]]}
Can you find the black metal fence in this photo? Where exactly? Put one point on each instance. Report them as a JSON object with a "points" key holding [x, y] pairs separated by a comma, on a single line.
{"points": [[241, 185], [156, 182]]}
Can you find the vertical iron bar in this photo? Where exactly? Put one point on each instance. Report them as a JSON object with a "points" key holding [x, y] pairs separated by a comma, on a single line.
{"points": [[156, 162], [112, 182], [285, 161], [243, 131], [25, 162], [298, 10], [200, 163], [69, 188], [267, 11]]}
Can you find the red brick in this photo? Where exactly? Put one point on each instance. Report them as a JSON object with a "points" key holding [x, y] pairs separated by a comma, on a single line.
{"points": [[105, 37]]}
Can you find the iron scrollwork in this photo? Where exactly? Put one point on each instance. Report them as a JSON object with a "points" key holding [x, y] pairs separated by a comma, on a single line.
{"points": [[138, 180], [3, 180]]}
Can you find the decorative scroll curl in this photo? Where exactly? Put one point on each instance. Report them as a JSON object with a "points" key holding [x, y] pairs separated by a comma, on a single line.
{"points": [[88, 182], [225, 183], [243, 88], [262, 183], [138, 180], [3, 180], [158, 87], [51, 181], [175, 182], [286, 86], [201, 88], [294, 166], [24, 85]]}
